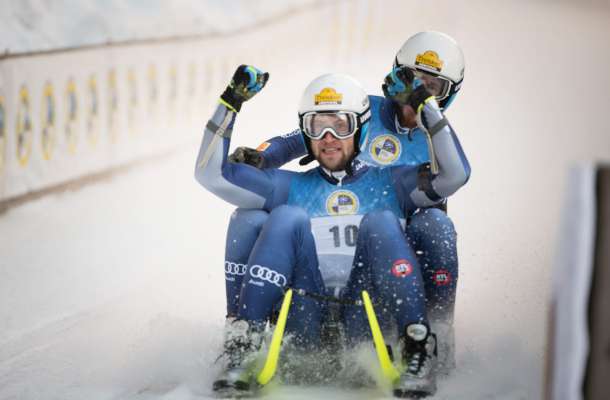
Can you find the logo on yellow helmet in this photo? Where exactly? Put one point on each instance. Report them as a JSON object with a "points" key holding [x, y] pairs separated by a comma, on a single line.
{"points": [[429, 59], [328, 96]]}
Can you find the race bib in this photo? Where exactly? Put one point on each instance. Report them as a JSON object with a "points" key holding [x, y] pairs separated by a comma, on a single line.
{"points": [[336, 239], [336, 235]]}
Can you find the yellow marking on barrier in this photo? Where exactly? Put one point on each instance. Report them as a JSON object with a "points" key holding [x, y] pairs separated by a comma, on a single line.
{"points": [[153, 91], [92, 112], [113, 106], [132, 85], [172, 94], [273, 355], [387, 367], [24, 128], [71, 128], [47, 111]]}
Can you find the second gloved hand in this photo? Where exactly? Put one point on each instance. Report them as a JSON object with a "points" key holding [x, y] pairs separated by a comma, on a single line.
{"points": [[401, 86], [247, 81], [398, 85], [247, 155]]}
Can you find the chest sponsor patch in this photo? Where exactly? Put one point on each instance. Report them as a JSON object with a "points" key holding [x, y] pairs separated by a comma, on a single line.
{"points": [[385, 149], [342, 202]]}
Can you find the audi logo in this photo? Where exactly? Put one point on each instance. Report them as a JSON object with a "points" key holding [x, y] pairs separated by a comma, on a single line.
{"points": [[269, 275], [232, 268]]}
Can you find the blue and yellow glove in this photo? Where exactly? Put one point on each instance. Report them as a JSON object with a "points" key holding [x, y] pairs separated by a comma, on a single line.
{"points": [[401, 86], [246, 82]]}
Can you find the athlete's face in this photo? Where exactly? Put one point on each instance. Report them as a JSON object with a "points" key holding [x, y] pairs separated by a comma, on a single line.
{"points": [[407, 116], [333, 153]]}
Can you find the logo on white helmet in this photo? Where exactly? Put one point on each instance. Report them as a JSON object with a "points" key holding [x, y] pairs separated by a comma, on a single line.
{"points": [[328, 96], [430, 60], [268, 275]]}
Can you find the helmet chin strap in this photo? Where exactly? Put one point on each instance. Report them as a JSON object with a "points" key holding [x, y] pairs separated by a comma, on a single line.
{"points": [[306, 160]]}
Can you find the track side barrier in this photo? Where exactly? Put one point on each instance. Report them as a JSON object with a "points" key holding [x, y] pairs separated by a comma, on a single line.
{"points": [[69, 115]]}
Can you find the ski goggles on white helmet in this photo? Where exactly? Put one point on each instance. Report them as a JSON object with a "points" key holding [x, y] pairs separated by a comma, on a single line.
{"points": [[437, 86], [341, 124]]}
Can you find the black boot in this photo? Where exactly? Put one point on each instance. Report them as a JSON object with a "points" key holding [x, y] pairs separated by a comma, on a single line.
{"points": [[239, 356], [419, 358]]}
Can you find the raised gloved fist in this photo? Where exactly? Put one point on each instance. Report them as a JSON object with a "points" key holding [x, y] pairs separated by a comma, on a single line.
{"points": [[246, 82], [398, 84], [247, 155], [401, 86]]}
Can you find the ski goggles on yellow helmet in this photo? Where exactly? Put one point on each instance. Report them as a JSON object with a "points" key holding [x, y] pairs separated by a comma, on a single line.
{"points": [[341, 124]]}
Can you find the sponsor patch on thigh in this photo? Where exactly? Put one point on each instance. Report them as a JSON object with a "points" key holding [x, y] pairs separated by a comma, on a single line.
{"points": [[401, 268]]}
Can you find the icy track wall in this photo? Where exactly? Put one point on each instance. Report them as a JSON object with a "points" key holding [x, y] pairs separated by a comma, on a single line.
{"points": [[65, 115]]}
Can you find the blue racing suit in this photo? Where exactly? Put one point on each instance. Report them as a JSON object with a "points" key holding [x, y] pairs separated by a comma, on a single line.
{"points": [[330, 234], [430, 231]]}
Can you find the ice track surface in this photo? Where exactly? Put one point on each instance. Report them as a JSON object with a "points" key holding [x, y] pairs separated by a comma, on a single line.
{"points": [[116, 290]]}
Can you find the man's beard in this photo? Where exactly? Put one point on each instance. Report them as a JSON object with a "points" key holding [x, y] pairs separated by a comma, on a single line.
{"points": [[340, 165]]}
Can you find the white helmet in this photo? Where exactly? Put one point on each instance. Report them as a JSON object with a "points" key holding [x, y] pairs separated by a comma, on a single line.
{"points": [[437, 54], [338, 94]]}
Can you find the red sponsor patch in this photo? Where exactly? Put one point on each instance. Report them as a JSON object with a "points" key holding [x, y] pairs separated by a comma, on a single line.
{"points": [[401, 268], [442, 277]]}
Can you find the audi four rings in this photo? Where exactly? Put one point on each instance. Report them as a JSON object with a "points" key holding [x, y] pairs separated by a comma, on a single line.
{"points": [[232, 268], [269, 275], [256, 271]]}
